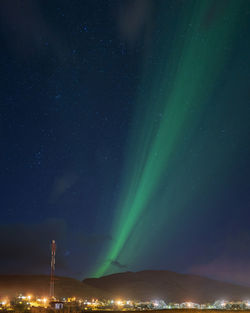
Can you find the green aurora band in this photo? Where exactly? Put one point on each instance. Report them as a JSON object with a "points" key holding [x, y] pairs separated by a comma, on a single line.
{"points": [[172, 101]]}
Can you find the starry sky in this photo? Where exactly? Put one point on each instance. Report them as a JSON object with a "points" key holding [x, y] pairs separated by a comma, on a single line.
{"points": [[124, 132]]}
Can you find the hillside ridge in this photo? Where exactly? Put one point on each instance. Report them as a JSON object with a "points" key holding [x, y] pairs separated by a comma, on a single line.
{"points": [[168, 285], [142, 285]]}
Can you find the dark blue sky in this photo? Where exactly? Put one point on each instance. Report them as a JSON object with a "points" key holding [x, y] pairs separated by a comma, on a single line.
{"points": [[70, 75]]}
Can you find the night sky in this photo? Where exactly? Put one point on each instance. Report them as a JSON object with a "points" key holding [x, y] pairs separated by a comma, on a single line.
{"points": [[124, 132]]}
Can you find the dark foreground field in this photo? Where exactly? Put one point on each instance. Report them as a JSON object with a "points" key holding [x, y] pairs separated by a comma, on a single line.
{"points": [[181, 311], [72, 310]]}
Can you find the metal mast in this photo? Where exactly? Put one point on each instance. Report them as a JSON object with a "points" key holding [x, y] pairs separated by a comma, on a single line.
{"points": [[52, 269]]}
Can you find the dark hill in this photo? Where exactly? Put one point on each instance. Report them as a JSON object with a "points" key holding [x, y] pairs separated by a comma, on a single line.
{"points": [[143, 285], [170, 286], [10, 285]]}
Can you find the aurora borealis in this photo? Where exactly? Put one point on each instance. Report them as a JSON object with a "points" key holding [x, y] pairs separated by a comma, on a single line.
{"points": [[125, 131], [178, 93]]}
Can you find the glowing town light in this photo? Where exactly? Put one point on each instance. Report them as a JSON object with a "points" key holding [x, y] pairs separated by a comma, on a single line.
{"points": [[223, 303], [119, 302]]}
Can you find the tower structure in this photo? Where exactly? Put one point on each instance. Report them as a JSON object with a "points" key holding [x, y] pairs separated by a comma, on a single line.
{"points": [[52, 269]]}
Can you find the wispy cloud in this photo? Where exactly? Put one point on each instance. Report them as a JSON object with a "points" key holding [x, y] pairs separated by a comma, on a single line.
{"points": [[118, 264]]}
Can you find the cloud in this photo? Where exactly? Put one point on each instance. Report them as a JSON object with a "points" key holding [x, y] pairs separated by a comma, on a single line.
{"points": [[134, 19], [232, 263], [26, 31], [234, 271], [215, 11], [62, 184], [26, 247], [118, 264]]}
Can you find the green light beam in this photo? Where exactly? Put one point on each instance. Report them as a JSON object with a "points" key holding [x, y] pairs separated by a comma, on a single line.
{"points": [[196, 63]]}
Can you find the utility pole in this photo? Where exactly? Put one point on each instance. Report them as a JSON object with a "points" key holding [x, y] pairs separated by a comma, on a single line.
{"points": [[52, 269]]}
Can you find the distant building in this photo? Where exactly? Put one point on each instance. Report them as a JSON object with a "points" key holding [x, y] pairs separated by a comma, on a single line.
{"points": [[232, 305], [189, 305], [57, 305], [159, 304]]}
